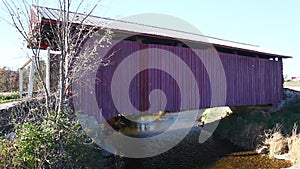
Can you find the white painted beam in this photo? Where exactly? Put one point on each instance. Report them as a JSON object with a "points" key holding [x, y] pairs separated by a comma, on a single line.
{"points": [[21, 82], [31, 78], [21, 78], [48, 70]]}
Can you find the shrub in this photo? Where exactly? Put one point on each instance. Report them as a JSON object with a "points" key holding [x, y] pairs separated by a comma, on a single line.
{"points": [[55, 141], [7, 153], [36, 145]]}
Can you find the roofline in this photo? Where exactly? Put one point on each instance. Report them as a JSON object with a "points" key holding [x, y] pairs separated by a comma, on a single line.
{"points": [[214, 44], [169, 37]]}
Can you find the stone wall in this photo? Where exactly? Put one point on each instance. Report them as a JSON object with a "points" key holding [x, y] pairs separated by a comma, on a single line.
{"points": [[19, 111]]}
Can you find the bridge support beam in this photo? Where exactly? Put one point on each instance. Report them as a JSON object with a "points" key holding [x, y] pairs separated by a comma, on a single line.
{"points": [[48, 70], [20, 82], [21, 78], [31, 78]]}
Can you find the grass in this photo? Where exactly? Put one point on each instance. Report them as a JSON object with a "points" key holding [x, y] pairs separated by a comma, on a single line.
{"points": [[287, 116], [294, 145], [246, 126], [10, 100], [291, 83], [5, 98], [279, 144], [249, 127], [275, 140]]}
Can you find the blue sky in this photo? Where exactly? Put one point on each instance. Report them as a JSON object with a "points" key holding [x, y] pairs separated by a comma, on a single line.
{"points": [[272, 24]]}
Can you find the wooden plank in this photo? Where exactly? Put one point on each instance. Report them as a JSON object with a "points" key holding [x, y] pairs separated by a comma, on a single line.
{"points": [[250, 81]]}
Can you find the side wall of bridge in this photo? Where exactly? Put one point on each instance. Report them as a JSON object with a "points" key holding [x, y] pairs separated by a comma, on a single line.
{"points": [[237, 80]]}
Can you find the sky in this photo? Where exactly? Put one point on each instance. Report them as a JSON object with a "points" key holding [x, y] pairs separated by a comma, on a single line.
{"points": [[271, 24]]}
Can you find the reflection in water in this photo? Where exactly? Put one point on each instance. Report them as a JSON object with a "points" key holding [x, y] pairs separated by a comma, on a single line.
{"points": [[189, 154], [148, 125], [144, 127]]}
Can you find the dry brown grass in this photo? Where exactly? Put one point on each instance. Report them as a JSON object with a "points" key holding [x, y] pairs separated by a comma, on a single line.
{"points": [[275, 140], [278, 144], [294, 145]]}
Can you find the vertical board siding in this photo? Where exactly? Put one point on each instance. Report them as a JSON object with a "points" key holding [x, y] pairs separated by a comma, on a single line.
{"points": [[250, 81]]}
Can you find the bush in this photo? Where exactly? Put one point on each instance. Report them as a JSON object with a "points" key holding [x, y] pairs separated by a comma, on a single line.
{"points": [[56, 141], [36, 145], [7, 153]]}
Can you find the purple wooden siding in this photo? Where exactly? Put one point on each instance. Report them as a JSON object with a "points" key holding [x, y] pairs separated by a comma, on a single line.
{"points": [[250, 81]]}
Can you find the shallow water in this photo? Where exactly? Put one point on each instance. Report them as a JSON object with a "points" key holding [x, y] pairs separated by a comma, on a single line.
{"points": [[249, 159], [190, 154]]}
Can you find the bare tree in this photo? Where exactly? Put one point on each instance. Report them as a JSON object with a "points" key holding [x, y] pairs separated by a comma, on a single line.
{"points": [[66, 34]]}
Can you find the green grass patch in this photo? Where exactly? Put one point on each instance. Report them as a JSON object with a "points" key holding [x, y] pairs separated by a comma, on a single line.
{"points": [[246, 126], [287, 116], [10, 100], [14, 96]]}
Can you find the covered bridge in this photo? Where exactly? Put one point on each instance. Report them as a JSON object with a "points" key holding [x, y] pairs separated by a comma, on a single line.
{"points": [[216, 72]]}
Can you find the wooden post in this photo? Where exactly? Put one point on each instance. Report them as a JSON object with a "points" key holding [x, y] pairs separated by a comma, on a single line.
{"points": [[48, 70], [21, 79], [21, 82], [31, 78]]}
